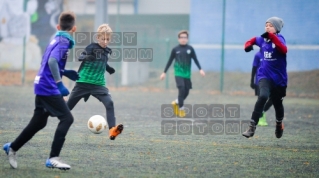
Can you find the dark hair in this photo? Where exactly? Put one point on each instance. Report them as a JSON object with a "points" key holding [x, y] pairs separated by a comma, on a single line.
{"points": [[183, 32], [66, 20]]}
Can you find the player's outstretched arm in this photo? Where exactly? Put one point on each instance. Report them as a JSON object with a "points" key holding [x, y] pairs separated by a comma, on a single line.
{"points": [[279, 45], [54, 68], [71, 74], [194, 57], [249, 44], [169, 62]]}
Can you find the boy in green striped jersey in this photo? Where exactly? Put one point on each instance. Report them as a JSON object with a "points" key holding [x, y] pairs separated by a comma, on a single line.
{"points": [[92, 79]]}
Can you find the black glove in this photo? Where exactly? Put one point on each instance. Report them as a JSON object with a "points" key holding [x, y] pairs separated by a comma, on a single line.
{"points": [[265, 35], [249, 48], [82, 56], [110, 69], [85, 57], [71, 74]]}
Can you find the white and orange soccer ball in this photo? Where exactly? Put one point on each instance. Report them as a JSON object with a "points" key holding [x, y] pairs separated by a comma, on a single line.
{"points": [[97, 124]]}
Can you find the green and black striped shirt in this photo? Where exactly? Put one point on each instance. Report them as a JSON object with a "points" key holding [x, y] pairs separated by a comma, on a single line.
{"points": [[183, 55], [93, 68]]}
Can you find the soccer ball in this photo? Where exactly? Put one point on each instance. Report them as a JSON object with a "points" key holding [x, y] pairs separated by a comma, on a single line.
{"points": [[97, 124]]}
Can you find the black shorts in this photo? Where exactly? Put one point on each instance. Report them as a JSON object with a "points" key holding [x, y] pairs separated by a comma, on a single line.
{"points": [[54, 105], [182, 82], [84, 90], [277, 92]]}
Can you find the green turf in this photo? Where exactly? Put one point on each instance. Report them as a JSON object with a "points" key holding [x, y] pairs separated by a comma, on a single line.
{"points": [[142, 151]]}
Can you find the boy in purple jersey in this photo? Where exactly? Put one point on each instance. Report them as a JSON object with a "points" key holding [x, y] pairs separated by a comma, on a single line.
{"points": [[254, 85], [272, 74], [49, 91]]}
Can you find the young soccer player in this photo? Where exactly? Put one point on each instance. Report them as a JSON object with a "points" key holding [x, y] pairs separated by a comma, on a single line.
{"points": [[272, 75], [92, 79], [183, 53], [254, 85], [49, 91]]}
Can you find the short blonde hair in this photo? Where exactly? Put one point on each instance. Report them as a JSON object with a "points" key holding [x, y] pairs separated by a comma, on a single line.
{"points": [[104, 29]]}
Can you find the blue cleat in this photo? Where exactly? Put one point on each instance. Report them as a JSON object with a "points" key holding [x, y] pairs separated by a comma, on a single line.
{"points": [[55, 162]]}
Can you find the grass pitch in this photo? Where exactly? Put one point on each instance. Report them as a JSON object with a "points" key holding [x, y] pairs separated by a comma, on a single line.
{"points": [[143, 151]]}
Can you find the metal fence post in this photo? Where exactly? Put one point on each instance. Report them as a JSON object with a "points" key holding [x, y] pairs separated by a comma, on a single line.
{"points": [[167, 56], [223, 50], [23, 50]]}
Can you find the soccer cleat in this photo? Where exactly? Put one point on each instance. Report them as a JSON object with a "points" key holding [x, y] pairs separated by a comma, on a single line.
{"points": [[11, 155], [175, 107], [279, 129], [250, 131], [56, 162], [262, 120], [115, 131], [181, 113]]}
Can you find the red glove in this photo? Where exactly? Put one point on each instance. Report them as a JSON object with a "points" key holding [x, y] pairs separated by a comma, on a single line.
{"points": [[249, 44]]}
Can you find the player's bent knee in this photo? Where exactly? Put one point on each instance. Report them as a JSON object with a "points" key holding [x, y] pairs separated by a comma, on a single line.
{"points": [[109, 104], [67, 118], [70, 119], [41, 125], [263, 97]]}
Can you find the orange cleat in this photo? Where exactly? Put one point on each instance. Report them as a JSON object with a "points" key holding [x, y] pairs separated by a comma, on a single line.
{"points": [[115, 131]]}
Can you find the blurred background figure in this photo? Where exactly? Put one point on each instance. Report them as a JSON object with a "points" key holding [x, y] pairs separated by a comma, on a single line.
{"points": [[15, 23]]}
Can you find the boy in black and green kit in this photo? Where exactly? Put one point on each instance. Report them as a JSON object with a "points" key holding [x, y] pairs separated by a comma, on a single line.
{"points": [[92, 79], [183, 53]]}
